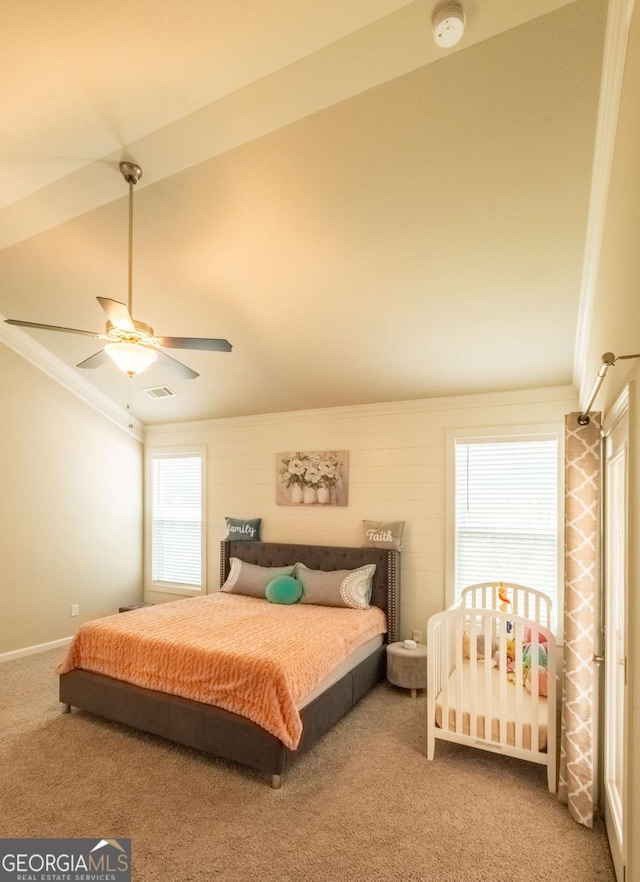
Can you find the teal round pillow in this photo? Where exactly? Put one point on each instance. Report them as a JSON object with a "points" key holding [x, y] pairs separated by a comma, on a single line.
{"points": [[284, 589]]}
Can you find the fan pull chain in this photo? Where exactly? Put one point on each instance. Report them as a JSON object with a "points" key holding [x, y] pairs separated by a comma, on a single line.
{"points": [[129, 380]]}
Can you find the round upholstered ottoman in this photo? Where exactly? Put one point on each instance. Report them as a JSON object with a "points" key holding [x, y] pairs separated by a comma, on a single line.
{"points": [[407, 667]]}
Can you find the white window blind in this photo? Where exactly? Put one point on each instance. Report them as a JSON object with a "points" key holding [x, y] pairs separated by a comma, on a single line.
{"points": [[506, 511], [176, 519]]}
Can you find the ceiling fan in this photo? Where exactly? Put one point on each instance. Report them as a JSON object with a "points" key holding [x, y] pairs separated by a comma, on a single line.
{"points": [[132, 345]]}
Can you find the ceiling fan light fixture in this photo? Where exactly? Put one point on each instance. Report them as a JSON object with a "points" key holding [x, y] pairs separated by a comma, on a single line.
{"points": [[131, 358]]}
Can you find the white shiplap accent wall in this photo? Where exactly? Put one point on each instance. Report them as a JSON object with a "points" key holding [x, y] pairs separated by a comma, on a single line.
{"points": [[397, 461]]}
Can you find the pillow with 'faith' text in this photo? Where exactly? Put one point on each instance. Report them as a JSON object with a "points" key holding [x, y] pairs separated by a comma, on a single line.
{"points": [[383, 534]]}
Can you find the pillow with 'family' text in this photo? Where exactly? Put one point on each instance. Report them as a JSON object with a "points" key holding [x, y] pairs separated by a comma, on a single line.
{"points": [[243, 529], [383, 534]]}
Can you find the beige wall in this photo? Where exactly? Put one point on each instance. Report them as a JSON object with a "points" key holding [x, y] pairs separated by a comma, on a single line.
{"points": [[70, 509], [397, 455], [616, 328]]}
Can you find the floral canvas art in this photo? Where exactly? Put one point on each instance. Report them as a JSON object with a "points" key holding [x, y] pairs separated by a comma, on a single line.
{"points": [[312, 478]]}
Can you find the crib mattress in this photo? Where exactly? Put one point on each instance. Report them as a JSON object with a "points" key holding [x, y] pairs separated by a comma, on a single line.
{"points": [[462, 704]]}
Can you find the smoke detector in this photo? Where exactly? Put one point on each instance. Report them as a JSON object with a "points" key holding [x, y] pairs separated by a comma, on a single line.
{"points": [[448, 26]]}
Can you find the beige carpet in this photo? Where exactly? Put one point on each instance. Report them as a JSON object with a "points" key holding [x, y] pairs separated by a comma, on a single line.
{"points": [[364, 805]]}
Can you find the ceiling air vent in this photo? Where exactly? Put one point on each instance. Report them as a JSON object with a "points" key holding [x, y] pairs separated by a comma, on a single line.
{"points": [[160, 392]]}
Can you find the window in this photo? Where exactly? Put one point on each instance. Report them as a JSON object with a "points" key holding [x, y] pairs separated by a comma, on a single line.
{"points": [[175, 520], [507, 522]]}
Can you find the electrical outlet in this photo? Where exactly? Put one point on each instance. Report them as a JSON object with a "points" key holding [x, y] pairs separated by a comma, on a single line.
{"points": [[417, 636], [75, 609]]}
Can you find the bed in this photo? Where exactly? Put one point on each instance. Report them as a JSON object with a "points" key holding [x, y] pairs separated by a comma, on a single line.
{"points": [[233, 736], [492, 674]]}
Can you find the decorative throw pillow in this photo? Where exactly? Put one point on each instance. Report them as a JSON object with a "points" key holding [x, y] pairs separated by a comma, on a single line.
{"points": [[243, 529], [250, 579], [383, 534], [350, 588], [284, 589]]}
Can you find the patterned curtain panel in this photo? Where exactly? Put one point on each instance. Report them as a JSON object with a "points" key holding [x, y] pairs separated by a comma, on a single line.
{"points": [[577, 785]]}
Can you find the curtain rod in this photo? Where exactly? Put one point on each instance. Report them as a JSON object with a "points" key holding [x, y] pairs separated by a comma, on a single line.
{"points": [[608, 360]]}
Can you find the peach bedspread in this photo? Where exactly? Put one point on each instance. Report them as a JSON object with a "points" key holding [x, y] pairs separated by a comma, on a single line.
{"points": [[243, 654]]}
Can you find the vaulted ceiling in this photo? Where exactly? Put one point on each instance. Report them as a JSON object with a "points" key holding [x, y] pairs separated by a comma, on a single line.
{"points": [[365, 216]]}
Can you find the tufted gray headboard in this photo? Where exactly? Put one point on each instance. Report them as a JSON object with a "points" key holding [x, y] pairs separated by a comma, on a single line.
{"points": [[386, 581]]}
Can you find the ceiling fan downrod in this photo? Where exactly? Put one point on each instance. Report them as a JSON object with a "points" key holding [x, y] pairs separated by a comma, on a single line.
{"points": [[132, 174]]}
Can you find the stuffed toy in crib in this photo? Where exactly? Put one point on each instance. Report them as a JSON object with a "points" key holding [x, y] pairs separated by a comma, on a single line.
{"points": [[466, 645], [527, 662]]}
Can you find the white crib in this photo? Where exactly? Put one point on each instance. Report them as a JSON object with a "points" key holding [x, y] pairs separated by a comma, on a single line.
{"points": [[503, 699]]}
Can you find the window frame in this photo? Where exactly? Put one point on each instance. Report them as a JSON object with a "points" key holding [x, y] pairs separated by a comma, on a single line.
{"points": [[537, 432], [151, 454]]}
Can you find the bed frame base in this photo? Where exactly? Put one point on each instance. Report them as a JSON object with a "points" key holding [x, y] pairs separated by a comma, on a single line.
{"points": [[212, 729], [227, 735]]}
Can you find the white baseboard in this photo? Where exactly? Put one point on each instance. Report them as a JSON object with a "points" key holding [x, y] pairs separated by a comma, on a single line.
{"points": [[32, 650]]}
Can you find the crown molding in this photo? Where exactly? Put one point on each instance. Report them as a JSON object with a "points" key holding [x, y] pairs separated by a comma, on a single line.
{"points": [[615, 49], [389, 408], [29, 349]]}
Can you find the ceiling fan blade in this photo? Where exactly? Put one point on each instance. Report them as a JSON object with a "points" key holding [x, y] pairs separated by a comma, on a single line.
{"points": [[53, 328], [117, 313], [207, 343], [94, 361], [172, 364]]}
